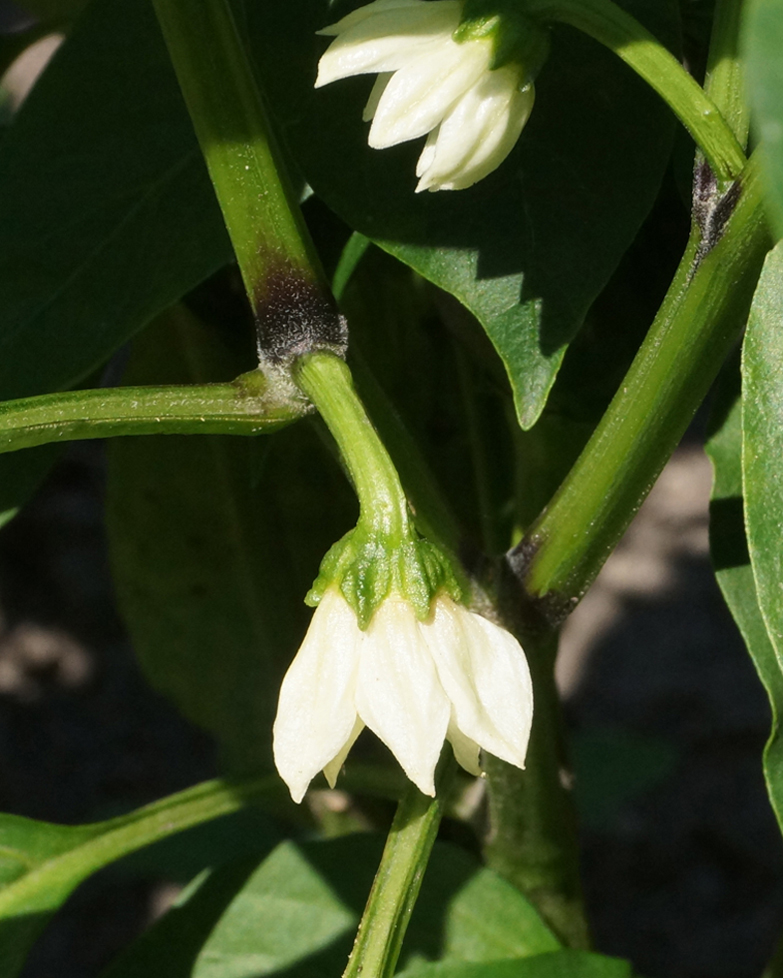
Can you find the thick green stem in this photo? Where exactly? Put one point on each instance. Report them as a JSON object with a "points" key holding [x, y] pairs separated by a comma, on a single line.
{"points": [[285, 283], [619, 31], [238, 408], [396, 887], [327, 382], [697, 326], [533, 838]]}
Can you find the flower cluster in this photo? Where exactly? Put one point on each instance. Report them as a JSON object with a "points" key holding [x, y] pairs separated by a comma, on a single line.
{"points": [[454, 676], [430, 83]]}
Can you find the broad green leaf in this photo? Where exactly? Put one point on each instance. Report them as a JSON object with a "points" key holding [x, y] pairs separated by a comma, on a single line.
{"points": [[730, 557], [529, 248], [558, 964], [198, 579], [298, 910], [762, 465], [762, 442], [763, 57], [41, 863], [108, 213], [489, 919], [101, 171]]}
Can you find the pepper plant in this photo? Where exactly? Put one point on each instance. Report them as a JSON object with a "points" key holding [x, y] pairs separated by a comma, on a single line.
{"points": [[475, 330]]}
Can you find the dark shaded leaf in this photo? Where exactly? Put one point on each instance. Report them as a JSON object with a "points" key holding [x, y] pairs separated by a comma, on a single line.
{"points": [[529, 248], [197, 584], [108, 213]]}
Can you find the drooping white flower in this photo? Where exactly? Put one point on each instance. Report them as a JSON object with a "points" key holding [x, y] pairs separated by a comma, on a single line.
{"points": [[456, 676], [429, 83]]}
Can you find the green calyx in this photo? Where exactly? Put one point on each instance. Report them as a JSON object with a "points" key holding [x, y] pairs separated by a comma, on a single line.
{"points": [[516, 37], [367, 569]]}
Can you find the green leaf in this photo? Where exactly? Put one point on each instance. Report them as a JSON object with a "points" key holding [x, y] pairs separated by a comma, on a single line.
{"points": [[119, 200], [108, 213], [558, 964], [526, 250], [762, 437], [41, 863], [730, 557], [762, 458], [486, 919], [298, 909], [197, 578], [763, 58]]}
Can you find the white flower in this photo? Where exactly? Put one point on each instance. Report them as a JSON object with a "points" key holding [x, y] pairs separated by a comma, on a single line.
{"points": [[456, 676], [429, 83]]}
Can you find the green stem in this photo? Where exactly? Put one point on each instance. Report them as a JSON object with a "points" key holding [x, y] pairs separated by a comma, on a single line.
{"points": [[327, 381], [285, 282], [396, 887], [724, 82], [533, 838], [695, 329], [237, 408], [621, 33], [431, 511], [94, 846]]}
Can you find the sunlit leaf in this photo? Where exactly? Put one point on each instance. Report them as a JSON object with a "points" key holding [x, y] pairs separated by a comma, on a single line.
{"points": [[763, 57], [298, 909], [755, 596]]}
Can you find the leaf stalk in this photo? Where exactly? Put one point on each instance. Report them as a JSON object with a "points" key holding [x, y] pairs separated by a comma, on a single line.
{"points": [[609, 24], [241, 407]]}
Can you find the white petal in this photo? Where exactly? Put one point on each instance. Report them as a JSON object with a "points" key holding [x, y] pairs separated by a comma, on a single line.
{"points": [[485, 675], [333, 768], [466, 751], [428, 153], [362, 13], [421, 93], [386, 42], [375, 95], [316, 712], [398, 694], [479, 132]]}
